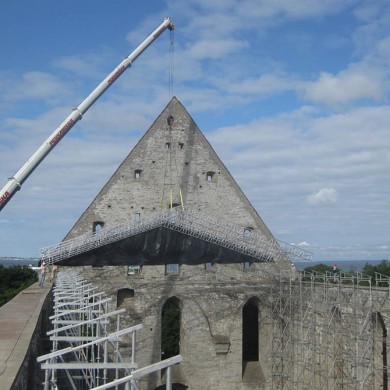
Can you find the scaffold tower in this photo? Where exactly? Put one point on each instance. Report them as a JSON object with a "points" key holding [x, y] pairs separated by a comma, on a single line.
{"points": [[86, 354]]}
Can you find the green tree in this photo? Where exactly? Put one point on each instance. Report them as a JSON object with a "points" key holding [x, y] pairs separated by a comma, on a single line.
{"points": [[383, 268], [13, 280], [320, 268]]}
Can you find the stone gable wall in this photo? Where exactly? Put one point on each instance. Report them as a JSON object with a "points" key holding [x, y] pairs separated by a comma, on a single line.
{"points": [[184, 166]]}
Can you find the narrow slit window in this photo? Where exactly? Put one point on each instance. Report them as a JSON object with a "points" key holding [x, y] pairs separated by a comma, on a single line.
{"points": [[247, 264], [137, 174], [137, 217], [209, 176]]}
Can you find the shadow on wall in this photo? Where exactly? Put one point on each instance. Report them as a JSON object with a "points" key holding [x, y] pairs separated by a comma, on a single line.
{"points": [[175, 386]]}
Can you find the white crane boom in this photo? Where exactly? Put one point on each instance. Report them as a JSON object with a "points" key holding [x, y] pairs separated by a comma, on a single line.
{"points": [[14, 183]]}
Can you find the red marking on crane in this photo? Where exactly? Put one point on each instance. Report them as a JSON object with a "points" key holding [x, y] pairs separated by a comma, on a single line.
{"points": [[62, 131], [4, 197], [116, 74]]}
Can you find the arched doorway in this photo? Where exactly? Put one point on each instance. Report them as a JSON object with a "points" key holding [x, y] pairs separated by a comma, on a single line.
{"points": [[170, 328], [250, 331], [251, 368]]}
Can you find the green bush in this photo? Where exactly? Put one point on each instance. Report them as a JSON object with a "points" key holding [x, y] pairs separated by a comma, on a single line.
{"points": [[13, 280], [382, 268]]}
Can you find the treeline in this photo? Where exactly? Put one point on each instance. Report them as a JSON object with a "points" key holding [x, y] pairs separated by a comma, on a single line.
{"points": [[13, 280], [382, 268]]}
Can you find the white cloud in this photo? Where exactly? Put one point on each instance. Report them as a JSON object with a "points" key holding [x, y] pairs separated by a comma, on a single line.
{"points": [[235, 77], [85, 66], [13, 221], [267, 84], [215, 48], [344, 87], [37, 85], [324, 195]]}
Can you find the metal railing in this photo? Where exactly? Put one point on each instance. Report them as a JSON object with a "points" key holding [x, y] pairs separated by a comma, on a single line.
{"points": [[192, 223]]}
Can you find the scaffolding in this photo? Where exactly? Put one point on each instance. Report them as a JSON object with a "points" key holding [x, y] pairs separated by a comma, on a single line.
{"points": [[329, 332], [192, 223], [85, 353]]}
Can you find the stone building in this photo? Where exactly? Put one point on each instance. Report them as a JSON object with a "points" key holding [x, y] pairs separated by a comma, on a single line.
{"points": [[221, 307], [239, 315]]}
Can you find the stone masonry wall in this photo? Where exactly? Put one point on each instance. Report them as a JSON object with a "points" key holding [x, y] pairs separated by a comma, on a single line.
{"points": [[211, 303], [170, 159]]}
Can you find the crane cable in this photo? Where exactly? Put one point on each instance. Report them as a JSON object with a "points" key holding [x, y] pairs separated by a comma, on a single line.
{"points": [[170, 92], [169, 145], [171, 82], [171, 62]]}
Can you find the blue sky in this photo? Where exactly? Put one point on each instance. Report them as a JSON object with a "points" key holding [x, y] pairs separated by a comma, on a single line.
{"points": [[292, 95]]}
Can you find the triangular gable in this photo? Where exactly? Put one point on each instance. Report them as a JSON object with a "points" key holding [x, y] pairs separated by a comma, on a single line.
{"points": [[173, 163]]}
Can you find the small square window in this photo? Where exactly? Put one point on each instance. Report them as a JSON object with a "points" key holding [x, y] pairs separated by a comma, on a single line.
{"points": [[137, 217], [172, 269], [137, 173], [208, 265], [181, 145], [167, 145], [133, 269]]}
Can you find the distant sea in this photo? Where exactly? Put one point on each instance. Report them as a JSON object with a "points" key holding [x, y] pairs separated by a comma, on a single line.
{"points": [[344, 265], [9, 262]]}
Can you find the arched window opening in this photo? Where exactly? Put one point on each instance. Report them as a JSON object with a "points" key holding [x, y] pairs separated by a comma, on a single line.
{"points": [[97, 226], [248, 233], [170, 328], [250, 331], [124, 297]]}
